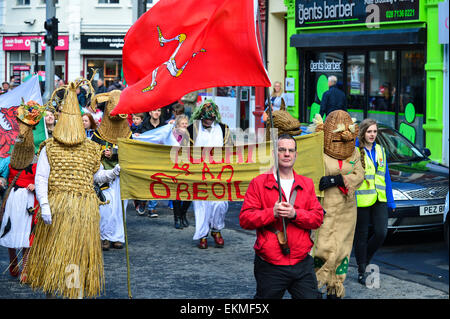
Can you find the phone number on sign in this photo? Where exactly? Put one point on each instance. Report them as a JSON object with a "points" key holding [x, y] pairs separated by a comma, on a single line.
{"points": [[400, 13]]}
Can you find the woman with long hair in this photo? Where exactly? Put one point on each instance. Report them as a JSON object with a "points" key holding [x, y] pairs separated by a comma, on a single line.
{"points": [[276, 97], [374, 197], [276, 100], [50, 122], [89, 124]]}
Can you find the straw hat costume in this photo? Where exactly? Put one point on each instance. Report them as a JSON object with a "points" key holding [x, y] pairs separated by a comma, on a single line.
{"points": [[19, 204], [66, 257], [343, 176], [285, 123], [111, 129]]}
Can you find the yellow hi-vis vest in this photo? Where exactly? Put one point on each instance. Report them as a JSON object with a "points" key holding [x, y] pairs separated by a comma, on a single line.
{"points": [[374, 185]]}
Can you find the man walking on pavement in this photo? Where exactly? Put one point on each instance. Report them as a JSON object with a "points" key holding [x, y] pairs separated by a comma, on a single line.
{"points": [[333, 99], [277, 269], [207, 130]]}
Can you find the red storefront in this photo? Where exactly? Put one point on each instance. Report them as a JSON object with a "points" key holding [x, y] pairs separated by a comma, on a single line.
{"points": [[19, 63]]}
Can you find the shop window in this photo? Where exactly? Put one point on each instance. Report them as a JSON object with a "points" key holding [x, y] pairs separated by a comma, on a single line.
{"points": [[111, 68], [383, 80], [108, 1], [107, 69], [229, 91], [355, 81], [411, 99], [319, 66], [22, 2], [412, 80], [24, 58]]}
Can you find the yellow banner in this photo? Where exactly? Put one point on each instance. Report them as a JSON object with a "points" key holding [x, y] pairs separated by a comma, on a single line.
{"points": [[152, 171]]}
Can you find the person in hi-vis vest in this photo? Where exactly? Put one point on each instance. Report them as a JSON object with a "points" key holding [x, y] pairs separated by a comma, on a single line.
{"points": [[374, 197]]}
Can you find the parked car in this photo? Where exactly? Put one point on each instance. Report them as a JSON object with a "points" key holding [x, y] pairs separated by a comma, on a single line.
{"points": [[419, 185], [445, 220]]}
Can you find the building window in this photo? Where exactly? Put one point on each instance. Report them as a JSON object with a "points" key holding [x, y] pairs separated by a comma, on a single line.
{"points": [[108, 1], [387, 85], [355, 81], [319, 66], [412, 80], [43, 2], [22, 2], [108, 69], [383, 80]]}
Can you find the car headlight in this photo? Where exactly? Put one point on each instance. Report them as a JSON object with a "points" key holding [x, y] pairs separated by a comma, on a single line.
{"points": [[398, 195]]}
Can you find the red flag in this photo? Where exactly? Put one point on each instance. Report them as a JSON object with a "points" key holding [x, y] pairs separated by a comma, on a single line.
{"points": [[180, 46]]}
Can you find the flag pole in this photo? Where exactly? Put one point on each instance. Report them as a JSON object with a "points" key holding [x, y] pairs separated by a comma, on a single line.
{"points": [[274, 141], [126, 250]]}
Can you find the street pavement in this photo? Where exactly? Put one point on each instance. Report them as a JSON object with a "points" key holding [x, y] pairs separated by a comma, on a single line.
{"points": [[166, 264]]}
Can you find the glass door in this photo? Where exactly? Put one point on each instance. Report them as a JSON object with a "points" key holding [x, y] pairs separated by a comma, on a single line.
{"points": [[319, 66], [355, 84]]}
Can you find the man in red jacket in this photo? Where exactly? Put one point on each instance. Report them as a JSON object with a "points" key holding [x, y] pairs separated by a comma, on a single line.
{"points": [[275, 271]]}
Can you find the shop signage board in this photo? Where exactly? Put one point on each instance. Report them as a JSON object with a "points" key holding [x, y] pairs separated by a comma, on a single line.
{"points": [[22, 43], [102, 42], [338, 12], [325, 66]]}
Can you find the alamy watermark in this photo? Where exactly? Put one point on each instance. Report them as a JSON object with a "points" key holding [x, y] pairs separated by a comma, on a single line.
{"points": [[73, 276], [373, 279], [247, 147]]}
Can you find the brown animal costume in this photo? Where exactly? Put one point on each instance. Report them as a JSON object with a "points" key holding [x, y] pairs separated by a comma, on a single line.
{"points": [[343, 176], [66, 257]]}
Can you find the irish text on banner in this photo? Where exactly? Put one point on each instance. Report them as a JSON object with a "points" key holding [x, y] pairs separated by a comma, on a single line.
{"points": [[153, 171]]}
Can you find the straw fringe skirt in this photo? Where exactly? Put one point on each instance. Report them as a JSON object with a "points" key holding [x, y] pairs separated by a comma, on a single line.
{"points": [[66, 256]]}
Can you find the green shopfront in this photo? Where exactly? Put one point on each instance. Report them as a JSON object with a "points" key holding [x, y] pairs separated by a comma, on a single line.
{"points": [[385, 55]]}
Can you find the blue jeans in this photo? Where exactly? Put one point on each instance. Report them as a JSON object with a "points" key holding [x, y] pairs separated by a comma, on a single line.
{"points": [[151, 204]]}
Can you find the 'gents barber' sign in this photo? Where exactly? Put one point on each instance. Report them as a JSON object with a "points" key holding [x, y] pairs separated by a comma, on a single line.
{"points": [[335, 12], [325, 66]]}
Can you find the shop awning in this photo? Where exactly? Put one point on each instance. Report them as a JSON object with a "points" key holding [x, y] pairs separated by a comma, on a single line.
{"points": [[360, 38]]}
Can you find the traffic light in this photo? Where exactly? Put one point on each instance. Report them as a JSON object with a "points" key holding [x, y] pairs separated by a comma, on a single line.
{"points": [[51, 38]]}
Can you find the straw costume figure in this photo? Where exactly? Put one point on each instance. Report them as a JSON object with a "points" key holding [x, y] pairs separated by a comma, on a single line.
{"points": [[285, 123], [343, 176], [66, 257], [111, 128], [207, 130], [20, 205]]}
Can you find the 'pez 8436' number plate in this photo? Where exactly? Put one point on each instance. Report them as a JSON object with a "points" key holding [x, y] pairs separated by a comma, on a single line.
{"points": [[431, 210]]}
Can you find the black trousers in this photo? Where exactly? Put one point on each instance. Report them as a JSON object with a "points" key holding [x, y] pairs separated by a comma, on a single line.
{"points": [[299, 280], [365, 247], [180, 207]]}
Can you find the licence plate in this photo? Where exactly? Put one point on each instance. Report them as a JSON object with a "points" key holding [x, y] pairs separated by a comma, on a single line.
{"points": [[431, 210]]}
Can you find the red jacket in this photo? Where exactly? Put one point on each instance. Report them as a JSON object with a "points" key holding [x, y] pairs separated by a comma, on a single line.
{"points": [[257, 211]]}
